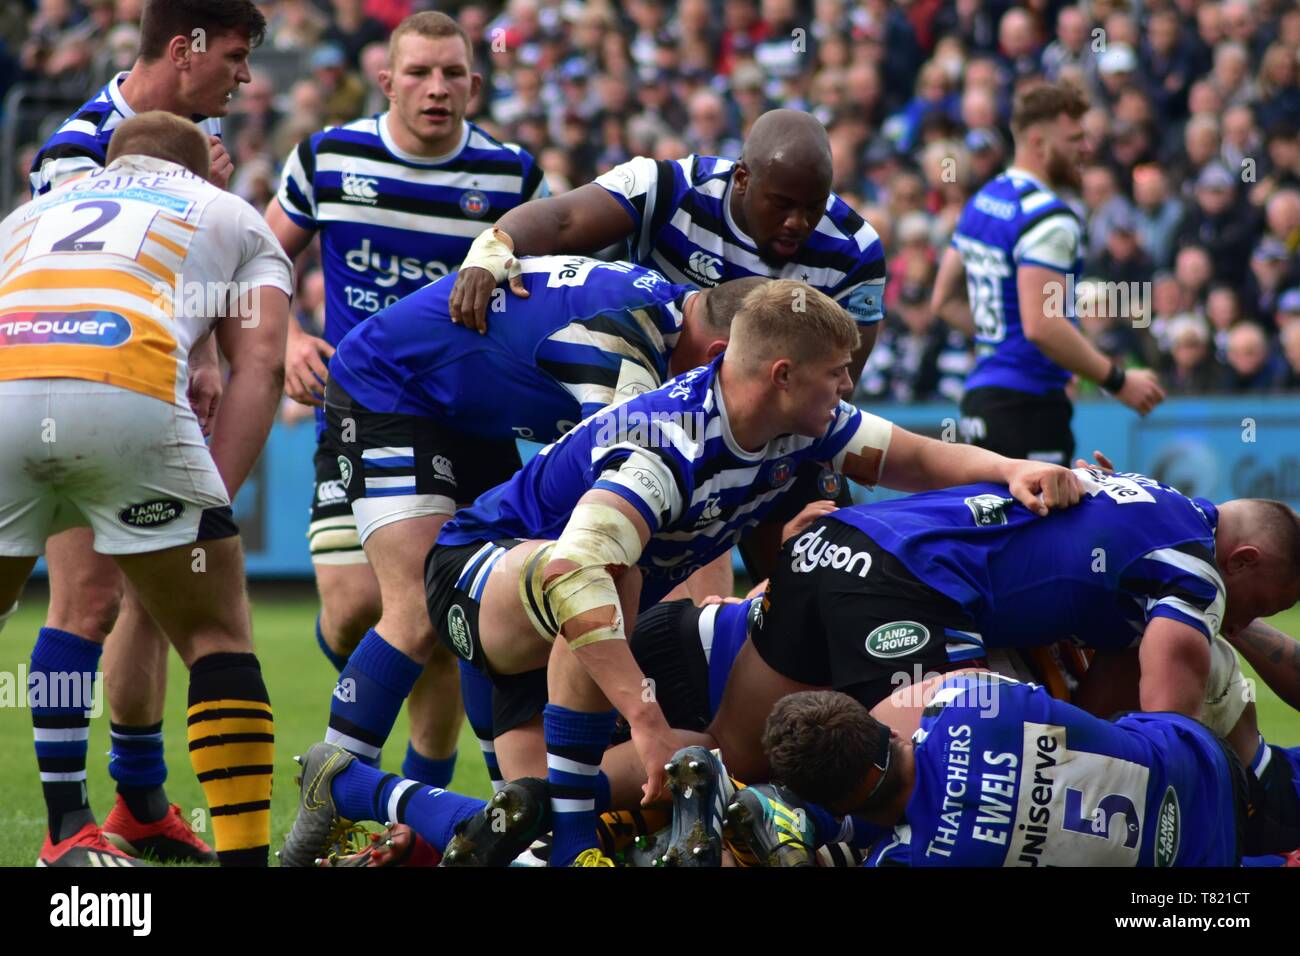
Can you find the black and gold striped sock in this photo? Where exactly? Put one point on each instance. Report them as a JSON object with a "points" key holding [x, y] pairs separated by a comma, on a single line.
{"points": [[232, 746]]}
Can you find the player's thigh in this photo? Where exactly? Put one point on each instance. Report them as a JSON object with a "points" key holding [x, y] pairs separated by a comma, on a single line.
{"points": [[397, 552], [85, 586]]}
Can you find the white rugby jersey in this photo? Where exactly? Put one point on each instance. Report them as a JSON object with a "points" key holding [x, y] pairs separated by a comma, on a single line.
{"points": [[114, 275]]}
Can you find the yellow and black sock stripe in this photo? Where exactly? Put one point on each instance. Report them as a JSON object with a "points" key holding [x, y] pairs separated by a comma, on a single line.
{"points": [[232, 749]]}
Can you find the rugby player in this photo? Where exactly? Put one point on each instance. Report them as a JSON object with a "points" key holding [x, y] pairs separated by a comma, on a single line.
{"points": [[639, 497], [396, 198], [193, 57], [1000, 773], [1008, 280], [871, 597], [704, 220], [422, 414], [99, 432]]}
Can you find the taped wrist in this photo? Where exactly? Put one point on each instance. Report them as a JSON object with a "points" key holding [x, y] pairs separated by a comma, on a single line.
{"points": [[596, 537], [494, 251]]}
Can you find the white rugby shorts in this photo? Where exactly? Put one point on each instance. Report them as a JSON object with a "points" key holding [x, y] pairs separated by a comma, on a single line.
{"points": [[72, 452]]}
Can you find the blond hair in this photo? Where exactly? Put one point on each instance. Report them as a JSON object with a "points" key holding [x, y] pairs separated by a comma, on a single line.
{"points": [[163, 136], [791, 320], [431, 25]]}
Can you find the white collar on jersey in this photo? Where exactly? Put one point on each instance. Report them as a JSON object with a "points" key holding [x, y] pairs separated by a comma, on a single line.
{"points": [[115, 94], [1015, 172], [392, 147], [727, 437]]}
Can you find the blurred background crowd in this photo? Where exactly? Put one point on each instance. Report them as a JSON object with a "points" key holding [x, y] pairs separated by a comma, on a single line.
{"points": [[1191, 198]]}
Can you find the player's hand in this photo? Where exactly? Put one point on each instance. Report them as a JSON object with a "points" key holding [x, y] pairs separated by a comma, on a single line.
{"points": [[811, 512], [491, 261], [655, 744], [1103, 463], [205, 395], [1141, 391], [222, 166], [1042, 488], [719, 599], [305, 369]]}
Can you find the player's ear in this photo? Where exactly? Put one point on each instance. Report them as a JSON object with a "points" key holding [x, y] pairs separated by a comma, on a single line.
{"points": [[1244, 557], [714, 349], [385, 78], [779, 373], [740, 178], [178, 51], [475, 84]]}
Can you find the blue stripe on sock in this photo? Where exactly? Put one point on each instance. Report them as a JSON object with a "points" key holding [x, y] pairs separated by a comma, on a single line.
{"points": [[434, 813], [136, 756], [576, 740], [61, 683], [377, 679]]}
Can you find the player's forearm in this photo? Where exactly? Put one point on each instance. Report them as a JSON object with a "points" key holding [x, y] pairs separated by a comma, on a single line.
{"points": [[956, 313], [1174, 660], [247, 412], [538, 228], [1067, 347], [611, 665], [204, 354], [916, 463], [1275, 656]]}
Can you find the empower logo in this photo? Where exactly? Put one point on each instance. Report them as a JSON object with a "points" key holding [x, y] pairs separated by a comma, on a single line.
{"points": [[105, 329]]}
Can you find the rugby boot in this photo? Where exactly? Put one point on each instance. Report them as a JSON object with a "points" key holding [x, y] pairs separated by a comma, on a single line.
{"points": [[397, 845], [702, 791], [86, 847], [766, 826], [318, 826], [506, 826], [169, 840]]}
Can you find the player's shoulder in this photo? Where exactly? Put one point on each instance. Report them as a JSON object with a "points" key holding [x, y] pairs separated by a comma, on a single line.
{"points": [[697, 169], [364, 130], [481, 142], [844, 225]]}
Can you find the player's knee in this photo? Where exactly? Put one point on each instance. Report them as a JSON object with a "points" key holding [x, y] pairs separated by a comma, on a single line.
{"points": [[348, 611], [88, 608]]}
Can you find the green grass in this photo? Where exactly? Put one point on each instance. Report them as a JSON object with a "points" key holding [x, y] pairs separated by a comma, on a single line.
{"points": [[299, 680]]}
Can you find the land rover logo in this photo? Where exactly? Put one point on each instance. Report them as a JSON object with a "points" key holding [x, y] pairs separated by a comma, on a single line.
{"points": [[458, 632], [989, 509], [151, 514], [1168, 827], [897, 639], [345, 470]]}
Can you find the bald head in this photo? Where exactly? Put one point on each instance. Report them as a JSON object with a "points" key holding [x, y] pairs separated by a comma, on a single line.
{"points": [[782, 185], [162, 136], [1257, 549], [791, 139]]}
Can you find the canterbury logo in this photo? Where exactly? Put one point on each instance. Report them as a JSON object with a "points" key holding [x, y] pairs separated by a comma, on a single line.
{"points": [[704, 265], [442, 468], [360, 188]]}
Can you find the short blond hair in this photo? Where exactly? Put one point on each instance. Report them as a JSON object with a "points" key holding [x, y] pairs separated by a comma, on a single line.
{"points": [[163, 136], [433, 26], [789, 319]]}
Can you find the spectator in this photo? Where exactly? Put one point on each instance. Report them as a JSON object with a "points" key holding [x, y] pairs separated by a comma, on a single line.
{"points": [[1122, 258], [1167, 64], [1269, 264], [1288, 309], [1252, 367], [350, 29], [1279, 92], [1190, 368], [1223, 310], [295, 25], [1217, 221], [1291, 354], [1071, 46], [1116, 67], [917, 358], [1194, 270], [1158, 213]]}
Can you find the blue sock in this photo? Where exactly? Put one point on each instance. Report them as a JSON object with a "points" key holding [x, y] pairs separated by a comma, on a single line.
{"points": [[476, 691], [363, 793], [368, 696], [575, 742], [338, 660], [136, 763], [61, 695], [436, 773]]}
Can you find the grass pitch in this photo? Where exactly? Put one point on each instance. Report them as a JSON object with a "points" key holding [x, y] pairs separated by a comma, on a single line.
{"points": [[299, 679]]}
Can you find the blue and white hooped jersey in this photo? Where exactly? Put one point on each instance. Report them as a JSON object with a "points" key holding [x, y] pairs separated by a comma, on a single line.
{"points": [[1131, 550], [671, 454], [81, 143], [684, 228], [390, 221], [1006, 775], [590, 333], [1014, 221]]}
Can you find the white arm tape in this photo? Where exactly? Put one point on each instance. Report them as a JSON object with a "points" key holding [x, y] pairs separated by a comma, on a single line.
{"points": [[494, 251]]}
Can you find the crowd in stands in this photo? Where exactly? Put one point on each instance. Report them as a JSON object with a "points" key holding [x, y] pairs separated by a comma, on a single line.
{"points": [[1191, 199]]}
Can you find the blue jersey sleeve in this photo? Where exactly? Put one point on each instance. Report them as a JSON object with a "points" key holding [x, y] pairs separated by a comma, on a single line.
{"points": [[1181, 583]]}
